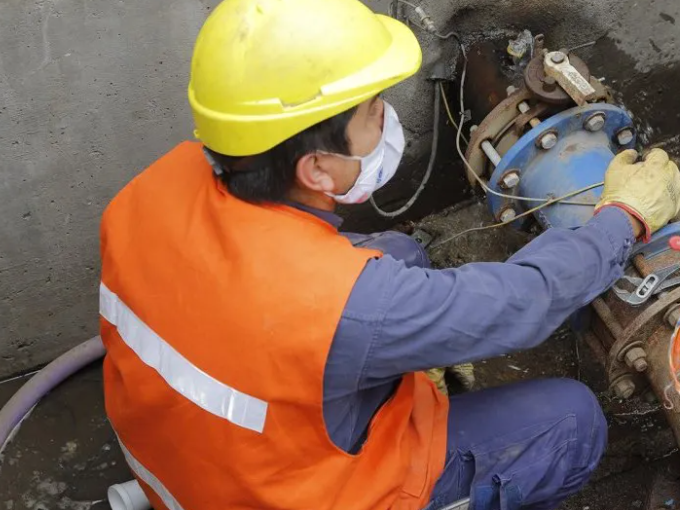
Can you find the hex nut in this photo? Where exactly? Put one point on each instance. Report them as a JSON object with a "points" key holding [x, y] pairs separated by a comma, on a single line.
{"points": [[595, 122], [510, 180], [625, 136], [624, 388], [636, 358], [508, 215], [672, 315], [549, 84], [548, 141]]}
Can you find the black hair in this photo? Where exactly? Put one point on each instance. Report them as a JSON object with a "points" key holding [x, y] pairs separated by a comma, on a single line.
{"points": [[269, 176]]}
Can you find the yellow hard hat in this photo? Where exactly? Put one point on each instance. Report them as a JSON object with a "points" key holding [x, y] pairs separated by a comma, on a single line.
{"points": [[265, 70]]}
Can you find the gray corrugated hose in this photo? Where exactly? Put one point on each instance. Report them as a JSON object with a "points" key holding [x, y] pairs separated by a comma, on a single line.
{"points": [[24, 400]]}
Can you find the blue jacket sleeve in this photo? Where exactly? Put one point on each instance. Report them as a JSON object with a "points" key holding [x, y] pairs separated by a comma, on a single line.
{"points": [[412, 318]]}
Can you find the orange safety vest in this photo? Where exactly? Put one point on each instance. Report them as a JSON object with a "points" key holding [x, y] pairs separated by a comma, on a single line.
{"points": [[218, 316]]}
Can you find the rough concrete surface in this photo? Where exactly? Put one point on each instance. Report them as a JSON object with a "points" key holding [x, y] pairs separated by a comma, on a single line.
{"points": [[90, 93]]}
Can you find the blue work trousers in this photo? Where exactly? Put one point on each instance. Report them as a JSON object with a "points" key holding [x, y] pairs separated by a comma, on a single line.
{"points": [[526, 445]]}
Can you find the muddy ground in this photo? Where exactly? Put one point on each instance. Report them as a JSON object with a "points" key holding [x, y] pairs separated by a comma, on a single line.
{"points": [[65, 455]]}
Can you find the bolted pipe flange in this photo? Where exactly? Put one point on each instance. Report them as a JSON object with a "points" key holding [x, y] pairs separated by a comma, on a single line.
{"points": [[625, 136], [636, 358], [624, 387], [595, 122], [547, 140], [510, 179]]}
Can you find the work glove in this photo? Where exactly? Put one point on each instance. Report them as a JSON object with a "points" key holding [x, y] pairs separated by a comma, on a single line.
{"points": [[649, 189], [438, 377], [464, 374]]}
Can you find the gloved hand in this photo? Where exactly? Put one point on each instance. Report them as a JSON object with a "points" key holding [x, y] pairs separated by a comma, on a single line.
{"points": [[648, 190], [438, 377], [464, 374]]}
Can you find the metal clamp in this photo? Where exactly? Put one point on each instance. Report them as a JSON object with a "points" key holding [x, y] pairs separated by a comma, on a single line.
{"points": [[557, 65]]}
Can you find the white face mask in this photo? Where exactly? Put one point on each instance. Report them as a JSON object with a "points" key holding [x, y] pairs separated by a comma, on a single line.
{"points": [[380, 165]]}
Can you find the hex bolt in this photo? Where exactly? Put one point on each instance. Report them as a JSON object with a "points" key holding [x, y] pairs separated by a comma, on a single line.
{"points": [[548, 141], [508, 215], [549, 84], [672, 315], [625, 136], [624, 388], [595, 122], [524, 107], [510, 180], [636, 358], [558, 57], [491, 153]]}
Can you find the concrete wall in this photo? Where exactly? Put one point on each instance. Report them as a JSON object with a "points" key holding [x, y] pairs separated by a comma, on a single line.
{"points": [[90, 93], [93, 91]]}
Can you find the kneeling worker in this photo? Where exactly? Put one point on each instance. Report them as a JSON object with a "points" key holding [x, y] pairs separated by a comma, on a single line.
{"points": [[256, 359]]}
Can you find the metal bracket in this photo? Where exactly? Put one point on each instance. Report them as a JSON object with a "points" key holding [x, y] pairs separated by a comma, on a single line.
{"points": [[557, 65]]}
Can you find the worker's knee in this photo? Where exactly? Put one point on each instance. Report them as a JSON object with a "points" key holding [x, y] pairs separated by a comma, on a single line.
{"points": [[579, 439], [545, 440], [590, 425]]}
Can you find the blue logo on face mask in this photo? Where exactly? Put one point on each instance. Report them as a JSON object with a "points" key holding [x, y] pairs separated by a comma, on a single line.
{"points": [[380, 175]]}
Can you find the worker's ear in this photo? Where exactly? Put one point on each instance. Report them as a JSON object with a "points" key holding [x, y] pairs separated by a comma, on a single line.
{"points": [[320, 172]]}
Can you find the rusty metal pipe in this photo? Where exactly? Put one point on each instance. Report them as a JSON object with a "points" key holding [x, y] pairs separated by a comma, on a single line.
{"points": [[605, 313], [596, 346]]}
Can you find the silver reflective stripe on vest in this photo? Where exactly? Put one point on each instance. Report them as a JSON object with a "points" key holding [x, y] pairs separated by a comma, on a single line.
{"points": [[148, 478], [203, 390]]}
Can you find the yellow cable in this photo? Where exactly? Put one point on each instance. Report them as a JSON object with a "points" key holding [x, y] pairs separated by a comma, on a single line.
{"points": [[524, 214], [448, 113]]}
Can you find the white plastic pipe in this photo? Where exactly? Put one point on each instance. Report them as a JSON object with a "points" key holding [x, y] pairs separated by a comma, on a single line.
{"points": [[128, 496]]}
